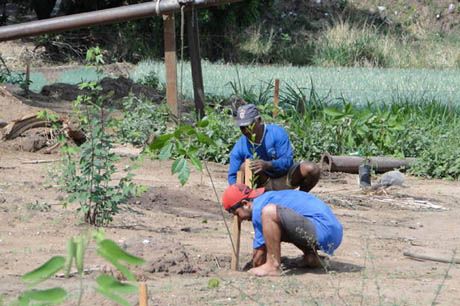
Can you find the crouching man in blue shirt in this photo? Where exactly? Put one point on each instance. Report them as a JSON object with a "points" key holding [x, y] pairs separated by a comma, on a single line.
{"points": [[274, 165], [288, 215]]}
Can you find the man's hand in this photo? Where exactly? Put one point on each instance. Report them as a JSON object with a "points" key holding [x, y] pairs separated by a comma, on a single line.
{"points": [[259, 165]]}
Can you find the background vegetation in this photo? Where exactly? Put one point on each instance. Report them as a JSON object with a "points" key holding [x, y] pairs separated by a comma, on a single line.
{"points": [[391, 33]]}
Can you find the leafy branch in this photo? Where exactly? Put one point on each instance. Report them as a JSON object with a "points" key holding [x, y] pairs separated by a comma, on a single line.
{"points": [[183, 144], [77, 246]]}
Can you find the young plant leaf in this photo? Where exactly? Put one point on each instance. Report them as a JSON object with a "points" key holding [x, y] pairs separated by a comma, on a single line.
{"points": [[71, 254], [45, 271], [204, 139], [178, 164], [184, 174], [160, 141], [196, 162], [166, 151], [202, 123], [111, 249], [80, 248], [47, 297], [110, 283]]}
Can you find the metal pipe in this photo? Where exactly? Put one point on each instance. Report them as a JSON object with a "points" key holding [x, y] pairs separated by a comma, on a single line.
{"points": [[113, 15], [350, 164]]}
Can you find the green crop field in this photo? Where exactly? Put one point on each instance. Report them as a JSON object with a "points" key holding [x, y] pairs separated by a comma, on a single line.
{"points": [[358, 85]]}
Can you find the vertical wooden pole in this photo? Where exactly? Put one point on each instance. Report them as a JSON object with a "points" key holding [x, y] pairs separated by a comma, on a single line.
{"points": [[276, 98], [236, 231], [26, 88], [247, 173], [143, 295], [195, 61], [171, 62]]}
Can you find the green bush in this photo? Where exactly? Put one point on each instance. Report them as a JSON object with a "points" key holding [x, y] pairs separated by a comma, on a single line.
{"points": [[141, 118]]}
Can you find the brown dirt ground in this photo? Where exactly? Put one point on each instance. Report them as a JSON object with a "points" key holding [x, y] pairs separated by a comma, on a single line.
{"points": [[180, 233]]}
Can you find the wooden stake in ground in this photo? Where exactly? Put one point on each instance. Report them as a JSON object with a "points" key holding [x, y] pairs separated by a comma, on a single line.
{"points": [[276, 98], [171, 62], [236, 231], [143, 295], [236, 227]]}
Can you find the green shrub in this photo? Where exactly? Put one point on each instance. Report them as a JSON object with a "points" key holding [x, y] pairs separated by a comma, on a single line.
{"points": [[141, 118], [440, 158]]}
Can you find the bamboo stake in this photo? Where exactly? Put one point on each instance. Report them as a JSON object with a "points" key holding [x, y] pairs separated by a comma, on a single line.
{"points": [[236, 231], [143, 295], [276, 98], [247, 173]]}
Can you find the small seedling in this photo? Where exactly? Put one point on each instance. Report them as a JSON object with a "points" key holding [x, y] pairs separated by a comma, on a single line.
{"points": [[213, 283]]}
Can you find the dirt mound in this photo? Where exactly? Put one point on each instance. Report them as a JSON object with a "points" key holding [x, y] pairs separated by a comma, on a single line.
{"points": [[178, 260], [119, 88], [11, 107], [32, 140]]}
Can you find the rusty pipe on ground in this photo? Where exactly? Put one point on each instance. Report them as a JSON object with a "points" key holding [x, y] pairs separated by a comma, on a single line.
{"points": [[112, 15], [350, 164]]}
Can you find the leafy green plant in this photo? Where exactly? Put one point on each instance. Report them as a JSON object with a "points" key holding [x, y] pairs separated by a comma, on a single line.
{"points": [[184, 144], [151, 79], [77, 246], [14, 78], [141, 118], [88, 180]]}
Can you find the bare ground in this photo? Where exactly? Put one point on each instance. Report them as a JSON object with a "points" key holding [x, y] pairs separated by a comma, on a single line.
{"points": [[180, 233]]}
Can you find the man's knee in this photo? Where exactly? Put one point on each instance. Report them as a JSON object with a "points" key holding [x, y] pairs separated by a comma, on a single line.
{"points": [[309, 169], [269, 212]]}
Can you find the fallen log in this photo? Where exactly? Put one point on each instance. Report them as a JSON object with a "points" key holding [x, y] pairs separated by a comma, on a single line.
{"points": [[350, 164], [16, 127]]}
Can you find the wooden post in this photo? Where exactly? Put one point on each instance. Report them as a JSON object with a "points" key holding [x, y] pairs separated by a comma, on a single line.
{"points": [[236, 231], [236, 227], [26, 88], [170, 62], [195, 61], [276, 98], [143, 295], [247, 173]]}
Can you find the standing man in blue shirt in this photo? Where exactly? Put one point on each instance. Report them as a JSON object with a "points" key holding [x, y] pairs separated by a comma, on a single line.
{"points": [[274, 165], [288, 215]]}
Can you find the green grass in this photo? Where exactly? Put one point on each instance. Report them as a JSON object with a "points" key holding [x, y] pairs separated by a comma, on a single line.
{"points": [[358, 85]]}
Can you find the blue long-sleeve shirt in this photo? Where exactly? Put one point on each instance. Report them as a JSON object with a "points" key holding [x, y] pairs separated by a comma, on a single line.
{"points": [[275, 147]]}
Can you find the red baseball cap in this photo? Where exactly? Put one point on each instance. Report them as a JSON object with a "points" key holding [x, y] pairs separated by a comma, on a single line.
{"points": [[237, 192]]}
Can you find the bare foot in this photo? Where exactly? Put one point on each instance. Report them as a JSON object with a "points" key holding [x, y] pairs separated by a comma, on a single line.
{"points": [[265, 270]]}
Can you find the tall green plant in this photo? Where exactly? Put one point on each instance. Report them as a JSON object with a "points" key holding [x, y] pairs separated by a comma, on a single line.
{"points": [[88, 180]]}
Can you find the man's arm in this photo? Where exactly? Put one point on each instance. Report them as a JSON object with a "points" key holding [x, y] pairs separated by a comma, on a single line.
{"points": [[284, 153], [235, 163], [259, 256]]}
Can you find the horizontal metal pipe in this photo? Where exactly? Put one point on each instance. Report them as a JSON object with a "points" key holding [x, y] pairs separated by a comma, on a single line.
{"points": [[113, 15], [350, 164]]}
